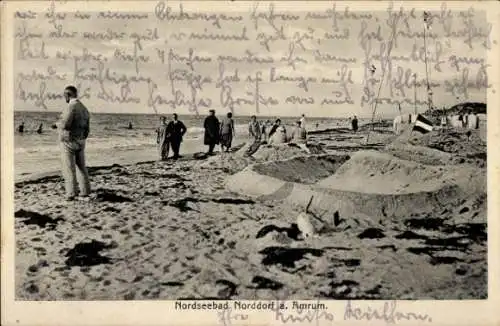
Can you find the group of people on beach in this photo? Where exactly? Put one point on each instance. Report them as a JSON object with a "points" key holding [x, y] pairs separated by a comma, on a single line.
{"points": [[223, 132], [170, 135], [74, 125], [469, 120]]}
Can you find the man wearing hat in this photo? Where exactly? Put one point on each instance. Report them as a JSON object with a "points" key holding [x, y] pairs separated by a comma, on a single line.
{"points": [[212, 136]]}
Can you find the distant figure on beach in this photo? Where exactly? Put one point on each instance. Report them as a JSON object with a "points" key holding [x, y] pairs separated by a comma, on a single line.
{"points": [[176, 130], [472, 121], [275, 126], [303, 121], [163, 139], [212, 128], [54, 126], [227, 132], [266, 128], [263, 131], [299, 134], [73, 133], [465, 121], [20, 129], [444, 121], [354, 124], [461, 120], [254, 129], [130, 126], [40, 128]]}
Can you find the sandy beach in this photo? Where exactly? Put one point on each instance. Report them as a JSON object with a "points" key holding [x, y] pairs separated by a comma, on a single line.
{"points": [[403, 217]]}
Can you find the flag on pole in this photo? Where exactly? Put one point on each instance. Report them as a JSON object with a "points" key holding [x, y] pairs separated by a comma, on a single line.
{"points": [[422, 124]]}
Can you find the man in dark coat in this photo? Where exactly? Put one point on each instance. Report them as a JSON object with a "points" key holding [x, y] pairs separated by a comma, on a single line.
{"points": [[176, 129], [211, 126], [354, 123]]}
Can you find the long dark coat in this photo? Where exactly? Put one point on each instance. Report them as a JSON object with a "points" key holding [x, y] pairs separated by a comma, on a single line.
{"points": [[211, 126], [176, 130]]}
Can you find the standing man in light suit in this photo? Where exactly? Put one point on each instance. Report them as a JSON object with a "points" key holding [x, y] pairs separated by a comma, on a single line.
{"points": [[73, 133]]}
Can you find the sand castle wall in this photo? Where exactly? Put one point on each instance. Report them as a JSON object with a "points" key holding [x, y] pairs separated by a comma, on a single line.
{"points": [[369, 183]]}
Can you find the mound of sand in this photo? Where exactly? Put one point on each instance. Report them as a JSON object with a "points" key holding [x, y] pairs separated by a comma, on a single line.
{"points": [[456, 141], [420, 154], [227, 162], [465, 146], [369, 186], [302, 169], [380, 173], [277, 152]]}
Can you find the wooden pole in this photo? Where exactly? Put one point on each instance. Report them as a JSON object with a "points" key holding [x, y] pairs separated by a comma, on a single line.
{"points": [[429, 92], [415, 92]]}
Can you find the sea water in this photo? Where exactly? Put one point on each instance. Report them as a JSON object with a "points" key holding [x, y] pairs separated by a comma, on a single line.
{"points": [[110, 141]]}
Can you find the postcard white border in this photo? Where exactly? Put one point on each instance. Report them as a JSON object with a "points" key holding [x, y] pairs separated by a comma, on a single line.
{"points": [[481, 312]]}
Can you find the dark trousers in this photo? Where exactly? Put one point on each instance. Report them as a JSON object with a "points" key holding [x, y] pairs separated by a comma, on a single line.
{"points": [[176, 145], [211, 148]]}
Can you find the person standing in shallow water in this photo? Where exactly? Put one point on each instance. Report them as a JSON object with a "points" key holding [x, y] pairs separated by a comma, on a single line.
{"points": [[212, 128], [162, 139], [227, 132], [74, 130], [354, 124], [20, 129], [176, 129]]}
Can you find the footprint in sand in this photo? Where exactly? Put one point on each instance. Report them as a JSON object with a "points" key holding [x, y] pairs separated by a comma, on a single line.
{"points": [[341, 290], [32, 288], [261, 282], [41, 220], [87, 254], [33, 269], [371, 233], [227, 289]]}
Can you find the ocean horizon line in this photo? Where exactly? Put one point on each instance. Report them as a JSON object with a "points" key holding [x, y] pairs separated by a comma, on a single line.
{"points": [[385, 116]]}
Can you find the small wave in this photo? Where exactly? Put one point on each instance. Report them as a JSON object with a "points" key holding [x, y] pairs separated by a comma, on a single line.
{"points": [[118, 141], [200, 130], [195, 130], [92, 144]]}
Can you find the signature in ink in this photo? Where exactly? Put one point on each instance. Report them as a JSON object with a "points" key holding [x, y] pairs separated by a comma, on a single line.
{"points": [[388, 313]]}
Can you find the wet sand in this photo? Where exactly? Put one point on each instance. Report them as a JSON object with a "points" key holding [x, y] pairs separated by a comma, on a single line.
{"points": [[173, 230]]}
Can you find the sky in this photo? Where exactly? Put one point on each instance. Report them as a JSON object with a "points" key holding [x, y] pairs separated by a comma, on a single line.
{"points": [[345, 40]]}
